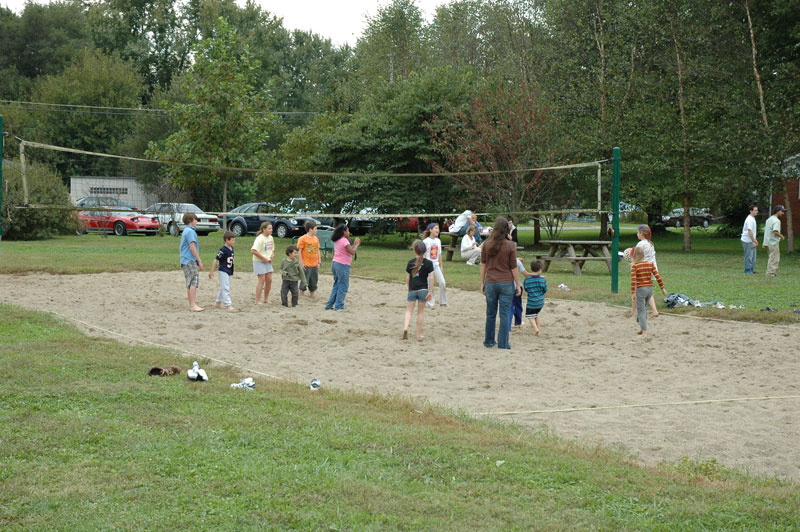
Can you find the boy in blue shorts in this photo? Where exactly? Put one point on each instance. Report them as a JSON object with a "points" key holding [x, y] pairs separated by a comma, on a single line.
{"points": [[224, 259], [190, 259], [536, 287]]}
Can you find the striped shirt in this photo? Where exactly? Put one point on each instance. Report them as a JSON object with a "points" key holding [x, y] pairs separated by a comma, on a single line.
{"points": [[536, 286], [640, 275]]}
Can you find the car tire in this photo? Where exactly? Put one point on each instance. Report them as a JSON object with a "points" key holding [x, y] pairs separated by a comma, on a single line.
{"points": [[173, 229], [281, 231], [238, 229], [678, 224], [204, 233], [705, 224], [119, 229]]}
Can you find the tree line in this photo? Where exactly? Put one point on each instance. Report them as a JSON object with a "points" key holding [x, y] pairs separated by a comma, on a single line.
{"points": [[702, 96]]}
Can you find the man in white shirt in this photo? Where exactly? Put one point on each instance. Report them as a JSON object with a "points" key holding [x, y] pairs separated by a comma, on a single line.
{"points": [[772, 240], [464, 220], [749, 240]]}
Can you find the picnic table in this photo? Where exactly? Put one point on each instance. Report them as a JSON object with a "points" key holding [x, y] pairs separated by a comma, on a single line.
{"points": [[565, 250]]}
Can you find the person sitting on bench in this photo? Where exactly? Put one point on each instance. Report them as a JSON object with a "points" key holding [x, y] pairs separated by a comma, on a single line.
{"points": [[464, 221]]}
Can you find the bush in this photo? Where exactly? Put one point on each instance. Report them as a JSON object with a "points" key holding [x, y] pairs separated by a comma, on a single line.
{"points": [[44, 188], [636, 216]]}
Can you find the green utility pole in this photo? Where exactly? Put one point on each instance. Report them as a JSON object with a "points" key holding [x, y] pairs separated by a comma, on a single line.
{"points": [[615, 225], [2, 147]]}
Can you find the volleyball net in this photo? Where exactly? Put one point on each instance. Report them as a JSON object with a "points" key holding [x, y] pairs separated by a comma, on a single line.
{"points": [[551, 195]]}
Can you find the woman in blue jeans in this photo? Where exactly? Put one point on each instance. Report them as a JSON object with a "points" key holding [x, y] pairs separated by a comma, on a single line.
{"points": [[499, 282], [343, 252]]}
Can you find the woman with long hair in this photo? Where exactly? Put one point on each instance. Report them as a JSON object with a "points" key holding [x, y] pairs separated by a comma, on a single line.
{"points": [[499, 282], [343, 252]]}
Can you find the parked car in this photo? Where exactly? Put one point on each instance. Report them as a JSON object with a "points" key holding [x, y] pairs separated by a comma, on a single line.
{"points": [[247, 218], [119, 223], [699, 217], [171, 216], [104, 201]]}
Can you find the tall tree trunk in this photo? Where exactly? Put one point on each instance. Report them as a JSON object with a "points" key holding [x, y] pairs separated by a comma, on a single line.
{"points": [[537, 230], [765, 123], [225, 204], [687, 234]]}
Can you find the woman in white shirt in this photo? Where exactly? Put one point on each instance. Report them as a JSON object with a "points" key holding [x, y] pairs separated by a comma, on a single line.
{"points": [[470, 251], [433, 252]]}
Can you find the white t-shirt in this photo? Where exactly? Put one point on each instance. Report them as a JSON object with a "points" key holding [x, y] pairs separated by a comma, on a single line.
{"points": [[467, 243], [649, 251], [749, 224], [462, 220], [264, 245], [520, 266], [433, 250]]}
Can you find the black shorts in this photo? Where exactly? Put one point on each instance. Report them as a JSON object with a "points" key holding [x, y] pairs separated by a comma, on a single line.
{"points": [[532, 312]]}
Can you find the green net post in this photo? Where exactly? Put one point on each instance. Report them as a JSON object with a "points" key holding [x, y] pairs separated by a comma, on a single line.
{"points": [[615, 238], [2, 148]]}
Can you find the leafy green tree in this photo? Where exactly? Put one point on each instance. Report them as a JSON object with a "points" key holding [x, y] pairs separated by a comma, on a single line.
{"points": [[96, 80], [393, 45], [225, 123], [150, 33], [388, 134]]}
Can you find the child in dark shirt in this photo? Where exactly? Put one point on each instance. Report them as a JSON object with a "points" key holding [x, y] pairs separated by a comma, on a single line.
{"points": [[224, 260], [419, 278]]}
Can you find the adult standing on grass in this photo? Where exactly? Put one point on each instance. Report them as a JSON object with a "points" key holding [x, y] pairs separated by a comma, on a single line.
{"points": [[191, 264], [499, 282], [772, 240], [343, 252], [750, 241]]}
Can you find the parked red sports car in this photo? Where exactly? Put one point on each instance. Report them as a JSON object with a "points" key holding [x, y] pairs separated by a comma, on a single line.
{"points": [[118, 222]]}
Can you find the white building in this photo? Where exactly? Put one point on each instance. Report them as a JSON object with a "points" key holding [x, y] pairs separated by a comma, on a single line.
{"points": [[125, 189]]}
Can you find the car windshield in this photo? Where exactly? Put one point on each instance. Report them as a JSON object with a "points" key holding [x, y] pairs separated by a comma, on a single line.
{"points": [[188, 207]]}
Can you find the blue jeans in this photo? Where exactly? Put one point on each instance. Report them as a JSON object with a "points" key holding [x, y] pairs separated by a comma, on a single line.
{"points": [[463, 231], [749, 257], [341, 282], [502, 294], [516, 311]]}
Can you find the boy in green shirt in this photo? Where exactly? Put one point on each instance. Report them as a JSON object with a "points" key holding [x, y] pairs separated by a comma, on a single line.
{"points": [[291, 273]]}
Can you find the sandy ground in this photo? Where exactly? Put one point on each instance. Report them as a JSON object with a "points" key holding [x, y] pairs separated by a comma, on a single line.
{"points": [[587, 356]]}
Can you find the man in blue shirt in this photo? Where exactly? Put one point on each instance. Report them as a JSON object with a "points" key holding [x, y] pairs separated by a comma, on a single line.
{"points": [[190, 259]]}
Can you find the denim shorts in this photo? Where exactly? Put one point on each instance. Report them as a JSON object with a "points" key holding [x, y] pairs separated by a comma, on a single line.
{"points": [[260, 268], [417, 295]]}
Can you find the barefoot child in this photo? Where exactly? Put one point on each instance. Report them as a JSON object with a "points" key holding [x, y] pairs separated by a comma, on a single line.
{"points": [[263, 249], [433, 252], [642, 287], [419, 276], [291, 274], [536, 286], [225, 261], [190, 259]]}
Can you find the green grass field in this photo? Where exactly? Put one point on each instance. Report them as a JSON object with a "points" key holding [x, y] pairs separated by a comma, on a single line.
{"points": [[89, 442], [713, 271]]}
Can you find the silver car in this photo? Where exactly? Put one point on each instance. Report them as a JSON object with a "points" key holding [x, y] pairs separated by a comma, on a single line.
{"points": [[171, 216]]}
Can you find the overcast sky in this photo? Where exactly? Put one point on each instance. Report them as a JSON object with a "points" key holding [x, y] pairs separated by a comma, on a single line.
{"points": [[341, 21]]}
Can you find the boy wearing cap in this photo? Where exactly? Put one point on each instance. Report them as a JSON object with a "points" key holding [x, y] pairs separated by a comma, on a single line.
{"points": [[772, 240]]}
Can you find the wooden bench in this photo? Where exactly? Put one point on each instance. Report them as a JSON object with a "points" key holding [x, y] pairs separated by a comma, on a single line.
{"points": [[564, 251]]}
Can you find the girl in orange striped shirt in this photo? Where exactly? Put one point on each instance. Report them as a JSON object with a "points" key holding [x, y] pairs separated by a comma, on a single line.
{"points": [[642, 287]]}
